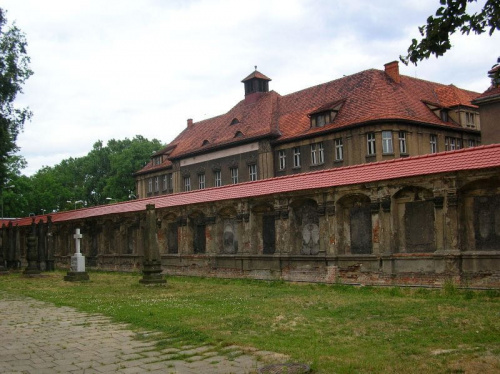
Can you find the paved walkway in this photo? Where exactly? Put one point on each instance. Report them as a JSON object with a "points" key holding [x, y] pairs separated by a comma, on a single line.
{"points": [[37, 337]]}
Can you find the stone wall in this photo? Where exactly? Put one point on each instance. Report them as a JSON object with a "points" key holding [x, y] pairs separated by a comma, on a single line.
{"points": [[423, 230]]}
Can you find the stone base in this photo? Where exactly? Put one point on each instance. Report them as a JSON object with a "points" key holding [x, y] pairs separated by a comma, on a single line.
{"points": [[152, 273], [30, 272], [76, 276]]}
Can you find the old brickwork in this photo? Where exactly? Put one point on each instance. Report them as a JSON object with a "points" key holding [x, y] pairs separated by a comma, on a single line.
{"points": [[418, 230]]}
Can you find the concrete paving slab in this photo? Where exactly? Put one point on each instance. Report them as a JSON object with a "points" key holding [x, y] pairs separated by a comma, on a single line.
{"points": [[38, 337]]}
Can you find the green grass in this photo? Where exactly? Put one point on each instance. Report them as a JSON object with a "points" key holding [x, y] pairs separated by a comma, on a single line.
{"points": [[333, 328]]}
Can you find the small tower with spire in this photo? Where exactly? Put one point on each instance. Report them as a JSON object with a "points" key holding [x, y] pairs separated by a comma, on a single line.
{"points": [[255, 85]]}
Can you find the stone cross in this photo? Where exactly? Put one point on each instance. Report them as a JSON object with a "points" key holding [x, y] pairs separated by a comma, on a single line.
{"points": [[77, 237], [77, 271]]}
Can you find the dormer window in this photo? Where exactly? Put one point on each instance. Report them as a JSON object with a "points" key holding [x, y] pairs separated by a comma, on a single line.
{"points": [[325, 114], [470, 120], [238, 134], [235, 121], [157, 160], [321, 119], [205, 142], [444, 115]]}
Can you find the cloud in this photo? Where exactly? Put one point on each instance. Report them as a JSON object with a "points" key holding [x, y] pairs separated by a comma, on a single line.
{"points": [[115, 69]]}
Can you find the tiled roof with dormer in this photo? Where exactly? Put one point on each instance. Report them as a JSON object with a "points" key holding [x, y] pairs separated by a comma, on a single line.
{"points": [[484, 157], [254, 121], [368, 96], [365, 97]]}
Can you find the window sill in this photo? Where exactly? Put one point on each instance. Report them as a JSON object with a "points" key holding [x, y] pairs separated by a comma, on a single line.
{"points": [[317, 165], [404, 155], [339, 161], [388, 154], [296, 168]]}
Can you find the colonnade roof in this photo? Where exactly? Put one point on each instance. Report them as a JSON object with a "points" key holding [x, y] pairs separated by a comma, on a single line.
{"points": [[483, 157]]}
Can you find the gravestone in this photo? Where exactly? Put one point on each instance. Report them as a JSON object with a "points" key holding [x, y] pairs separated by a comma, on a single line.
{"points": [[77, 271], [152, 273]]}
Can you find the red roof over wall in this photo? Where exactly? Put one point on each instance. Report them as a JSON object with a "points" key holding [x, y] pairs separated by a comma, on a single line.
{"points": [[466, 159]]}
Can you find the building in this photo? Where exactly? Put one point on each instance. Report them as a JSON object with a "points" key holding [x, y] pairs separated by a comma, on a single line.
{"points": [[489, 107], [370, 116]]}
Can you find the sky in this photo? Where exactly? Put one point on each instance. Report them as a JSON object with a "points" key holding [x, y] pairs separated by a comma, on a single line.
{"points": [[115, 69]]}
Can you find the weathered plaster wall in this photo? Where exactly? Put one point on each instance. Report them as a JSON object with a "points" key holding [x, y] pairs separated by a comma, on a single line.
{"points": [[422, 230]]}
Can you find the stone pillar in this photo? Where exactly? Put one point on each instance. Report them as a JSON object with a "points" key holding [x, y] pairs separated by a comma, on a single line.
{"points": [[42, 248], [50, 245], [31, 253], [152, 273], [3, 234], [77, 271]]}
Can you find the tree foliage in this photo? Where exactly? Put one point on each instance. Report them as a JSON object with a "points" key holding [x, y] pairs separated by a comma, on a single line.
{"points": [[104, 175], [452, 16], [14, 71]]}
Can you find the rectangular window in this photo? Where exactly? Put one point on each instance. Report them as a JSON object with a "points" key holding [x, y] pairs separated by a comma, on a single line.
{"points": [[170, 182], [317, 154], [150, 185], [157, 184], [387, 142], [339, 150], [252, 172], [449, 144], [234, 175], [458, 143], [470, 120], [187, 183], [282, 159], [165, 182], [402, 142], [296, 157], [217, 178], [201, 181], [370, 143], [434, 143], [472, 143]]}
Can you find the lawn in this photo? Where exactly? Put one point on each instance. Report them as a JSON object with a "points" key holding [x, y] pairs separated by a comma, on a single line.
{"points": [[333, 328]]}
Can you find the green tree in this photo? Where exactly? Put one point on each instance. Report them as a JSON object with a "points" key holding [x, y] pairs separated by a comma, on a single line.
{"points": [[14, 71], [452, 16]]}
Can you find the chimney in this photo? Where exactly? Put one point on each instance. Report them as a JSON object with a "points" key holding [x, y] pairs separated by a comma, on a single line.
{"points": [[190, 123], [392, 70]]}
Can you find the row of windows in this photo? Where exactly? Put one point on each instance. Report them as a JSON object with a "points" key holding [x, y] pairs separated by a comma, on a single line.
{"points": [[318, 154], [234, 172], [154, 182]]}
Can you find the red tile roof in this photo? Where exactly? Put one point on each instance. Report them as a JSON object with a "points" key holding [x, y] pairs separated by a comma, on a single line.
{"points": [[366, 96], [369, 96], [256, 74], [466, 159], [490, 93]]}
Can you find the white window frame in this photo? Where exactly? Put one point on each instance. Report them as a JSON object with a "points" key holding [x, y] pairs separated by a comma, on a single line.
{"points": [[217, 178], [170, 182], [165, 182], [403, 149], [187, 184], [370, 144], [201, 181], [433, 143], [150, 185], [470, 119], [252, 172], [282, 159], [317, 154], [387, 146], [234, 175], [339, 149], [472, 143], [296, 157]]}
